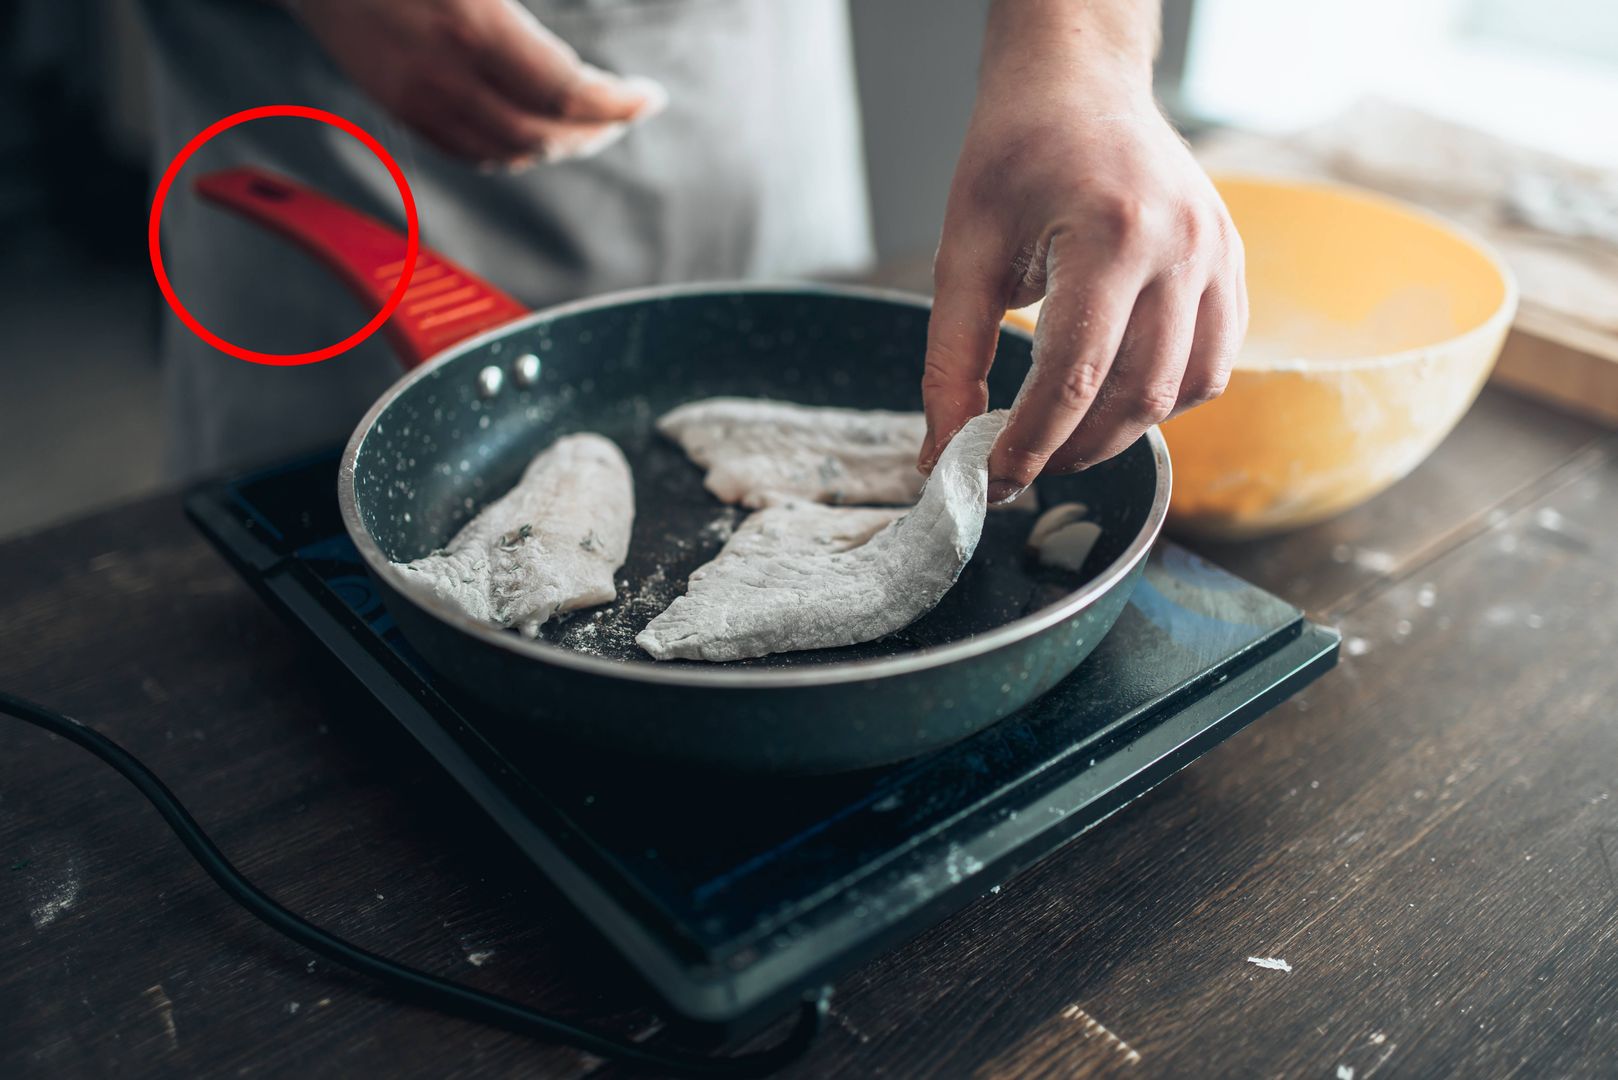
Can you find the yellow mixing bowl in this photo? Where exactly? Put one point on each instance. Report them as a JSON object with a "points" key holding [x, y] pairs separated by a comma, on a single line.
{"points": [[1373, 327]]}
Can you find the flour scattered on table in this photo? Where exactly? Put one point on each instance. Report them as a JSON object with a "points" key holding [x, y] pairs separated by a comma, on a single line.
{"points": [[1345, 1072], [1269, 963], [1377, 562], [164, 1008], [478, 959], [549, 545], [56, 899]]}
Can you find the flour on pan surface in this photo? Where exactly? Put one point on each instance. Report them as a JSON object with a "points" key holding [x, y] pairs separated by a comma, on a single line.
{"points": [[549, 545]]}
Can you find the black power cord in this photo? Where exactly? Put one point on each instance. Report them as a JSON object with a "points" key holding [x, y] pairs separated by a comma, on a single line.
{"points": [[407, 982]]}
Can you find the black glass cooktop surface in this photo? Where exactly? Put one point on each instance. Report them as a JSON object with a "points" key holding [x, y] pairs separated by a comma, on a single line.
{"points": [[733, 896]]}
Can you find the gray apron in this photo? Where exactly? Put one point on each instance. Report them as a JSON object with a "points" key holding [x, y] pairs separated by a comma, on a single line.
{"points": [[754, 170]]}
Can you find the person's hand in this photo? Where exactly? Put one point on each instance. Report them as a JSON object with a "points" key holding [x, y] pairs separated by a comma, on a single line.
{"points": [[480, 79], [1073, 187]]}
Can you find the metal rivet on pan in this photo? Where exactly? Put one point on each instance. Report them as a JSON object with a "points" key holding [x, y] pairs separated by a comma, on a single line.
{"points": [[489, 380], [526, 369]]}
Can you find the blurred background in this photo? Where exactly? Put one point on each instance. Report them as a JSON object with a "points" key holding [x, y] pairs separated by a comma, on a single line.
{"points": [[1480, 108]]}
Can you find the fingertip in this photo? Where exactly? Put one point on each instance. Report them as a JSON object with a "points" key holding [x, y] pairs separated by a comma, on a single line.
{"points": [[936, 443], [1012, 468], [927, 457], [1066, 467], [1005, 490], [583, 144], [655, 95], [604, 97]]}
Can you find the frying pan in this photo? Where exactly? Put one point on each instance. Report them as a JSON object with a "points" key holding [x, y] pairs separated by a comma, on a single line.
{"points": [[489, 384]]}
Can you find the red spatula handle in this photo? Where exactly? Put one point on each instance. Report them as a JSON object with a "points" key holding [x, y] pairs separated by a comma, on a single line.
{"points": [[444, 303]]}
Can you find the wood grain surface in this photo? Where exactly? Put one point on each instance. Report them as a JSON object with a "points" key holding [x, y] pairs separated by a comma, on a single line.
{"points": [[1428, 837]]}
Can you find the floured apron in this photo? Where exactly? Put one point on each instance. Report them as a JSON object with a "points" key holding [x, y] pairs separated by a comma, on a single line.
{"points": [[754, 170]]}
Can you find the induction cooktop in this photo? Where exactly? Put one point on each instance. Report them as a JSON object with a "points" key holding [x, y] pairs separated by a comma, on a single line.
{"points": [[732, 916]]}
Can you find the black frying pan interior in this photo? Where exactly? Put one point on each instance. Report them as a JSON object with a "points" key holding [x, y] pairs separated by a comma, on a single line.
{"points": [[442, 450]]}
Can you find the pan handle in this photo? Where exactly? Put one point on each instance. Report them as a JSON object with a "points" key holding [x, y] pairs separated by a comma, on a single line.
{"points": [[444, 304]]}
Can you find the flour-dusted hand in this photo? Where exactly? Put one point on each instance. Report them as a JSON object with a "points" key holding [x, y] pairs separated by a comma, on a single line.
{"points": [[1072, 186], [480, 79]]}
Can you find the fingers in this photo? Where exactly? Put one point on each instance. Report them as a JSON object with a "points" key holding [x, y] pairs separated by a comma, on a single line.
{"points": [[1220, 321], [1144, 386], [454, 130], [1238, 285], [539, 72], [517, 134], [962, 333], [1081, 326]]}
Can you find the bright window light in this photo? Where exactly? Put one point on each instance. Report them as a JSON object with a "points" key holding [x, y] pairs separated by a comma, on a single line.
{"points": [[1543, 73]]}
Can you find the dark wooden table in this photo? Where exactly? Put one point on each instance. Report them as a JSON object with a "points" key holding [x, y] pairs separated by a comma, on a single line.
{"points": [[1429, 836]]}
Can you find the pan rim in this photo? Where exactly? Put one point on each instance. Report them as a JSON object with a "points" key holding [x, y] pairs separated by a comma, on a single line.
{"points": [[718, 676]]}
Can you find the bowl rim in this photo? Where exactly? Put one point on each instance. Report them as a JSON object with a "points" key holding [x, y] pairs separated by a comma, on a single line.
{"points": [[1503, 313]]}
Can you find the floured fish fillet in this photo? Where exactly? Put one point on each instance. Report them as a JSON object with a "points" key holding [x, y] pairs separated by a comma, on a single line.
{"points": [[785, 583], [759, 452], [802, 528], [551, 544]]}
